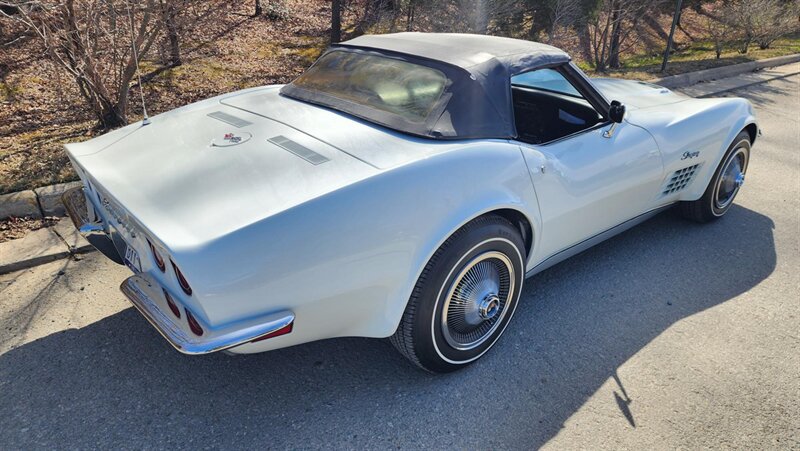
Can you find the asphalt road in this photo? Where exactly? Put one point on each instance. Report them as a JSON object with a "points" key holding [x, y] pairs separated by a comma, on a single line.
{"points": [[672, 335]]}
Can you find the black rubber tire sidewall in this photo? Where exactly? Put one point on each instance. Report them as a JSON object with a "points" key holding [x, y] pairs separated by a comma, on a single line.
{"points": [[492, 235]]}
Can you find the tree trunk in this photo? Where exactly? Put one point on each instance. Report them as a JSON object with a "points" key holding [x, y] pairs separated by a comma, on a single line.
{"points": [[410, 16], [373, 10], [366, 19], [616, 30], [585, 41], [110, 117], [336, 21], [745, 45], [481, 22], [172, 33]]}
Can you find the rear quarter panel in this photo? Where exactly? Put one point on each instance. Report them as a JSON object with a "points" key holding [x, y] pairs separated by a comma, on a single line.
{"points": [[345, 263]]}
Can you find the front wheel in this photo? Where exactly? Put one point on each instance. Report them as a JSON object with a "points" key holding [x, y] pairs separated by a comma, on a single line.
{"points": [[724, 185], [464, 298]]}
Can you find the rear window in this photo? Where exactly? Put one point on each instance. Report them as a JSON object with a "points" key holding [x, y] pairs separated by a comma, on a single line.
{"points": [[406, 89]]}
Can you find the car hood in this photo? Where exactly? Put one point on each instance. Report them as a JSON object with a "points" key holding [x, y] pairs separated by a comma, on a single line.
{"points": [[637, 94], [201, 171]]}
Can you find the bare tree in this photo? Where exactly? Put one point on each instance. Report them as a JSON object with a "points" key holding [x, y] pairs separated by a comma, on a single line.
{"points": [[740, 14], [612, 28], [762, 21], [373, 12], [563, 14], [719, 29], [773, 19], [97, 42]]}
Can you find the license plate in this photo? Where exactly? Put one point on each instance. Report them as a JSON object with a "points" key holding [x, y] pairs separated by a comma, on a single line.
{"points": [[132, 259]]}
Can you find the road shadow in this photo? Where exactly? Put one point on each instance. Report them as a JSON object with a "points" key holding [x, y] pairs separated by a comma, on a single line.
{"points": [[762, 95], [117, 383]]}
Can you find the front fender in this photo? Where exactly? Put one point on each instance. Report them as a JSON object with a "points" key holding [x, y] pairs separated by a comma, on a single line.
{"points": [[696, 131]]}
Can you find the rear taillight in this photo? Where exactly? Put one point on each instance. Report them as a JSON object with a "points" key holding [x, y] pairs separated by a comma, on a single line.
{"points": [[157, 257], [171, 303], [181, 280], [193, 324], [282, 331]]}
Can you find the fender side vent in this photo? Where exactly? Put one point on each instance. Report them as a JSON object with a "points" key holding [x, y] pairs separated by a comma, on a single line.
{"points": [[229, 119], [298, 149], [680, 179]]}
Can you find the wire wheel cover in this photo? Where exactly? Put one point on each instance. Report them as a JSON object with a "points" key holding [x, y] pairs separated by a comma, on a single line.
{"points": [[477, 299]]}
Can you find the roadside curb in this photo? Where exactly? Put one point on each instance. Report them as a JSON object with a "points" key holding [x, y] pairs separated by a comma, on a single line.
{"points": [[691, 78], [19, 204], [719, 87], [747, 85], [36, 203], [50, 198], [42, 246]]}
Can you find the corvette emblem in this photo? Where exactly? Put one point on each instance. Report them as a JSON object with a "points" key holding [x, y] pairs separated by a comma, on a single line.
{"points": [[231, 139]]}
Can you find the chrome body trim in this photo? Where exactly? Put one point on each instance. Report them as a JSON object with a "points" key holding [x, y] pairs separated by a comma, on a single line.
{"points": [[575, 249], [91, 225], [145, 294]]}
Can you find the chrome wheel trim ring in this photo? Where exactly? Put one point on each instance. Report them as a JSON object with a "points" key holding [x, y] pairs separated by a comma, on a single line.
{"points": [[476, 301], [730, 179]]}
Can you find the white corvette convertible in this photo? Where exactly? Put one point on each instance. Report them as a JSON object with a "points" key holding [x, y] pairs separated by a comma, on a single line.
{"points": [[404, 186]]}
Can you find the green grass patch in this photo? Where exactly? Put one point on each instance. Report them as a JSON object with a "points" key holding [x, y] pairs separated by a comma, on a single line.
{"points": [[9, 91], [698, 55]]}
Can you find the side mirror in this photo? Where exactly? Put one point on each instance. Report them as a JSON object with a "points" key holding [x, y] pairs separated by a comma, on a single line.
{"points": [[616, 112]]}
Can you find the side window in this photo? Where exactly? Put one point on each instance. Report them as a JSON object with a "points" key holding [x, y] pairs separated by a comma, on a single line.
{"points": [[546, 79], [548, 107]]}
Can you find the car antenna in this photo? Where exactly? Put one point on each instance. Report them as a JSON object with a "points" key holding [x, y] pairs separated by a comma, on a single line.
{"points": [[146, 120]]}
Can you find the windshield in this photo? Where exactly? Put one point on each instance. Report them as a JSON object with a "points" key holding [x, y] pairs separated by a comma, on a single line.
{"points": [[406, 89]]}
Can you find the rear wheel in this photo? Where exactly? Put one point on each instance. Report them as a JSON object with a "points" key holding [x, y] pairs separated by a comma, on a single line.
{"points": [[724, 185], [464, 298]]}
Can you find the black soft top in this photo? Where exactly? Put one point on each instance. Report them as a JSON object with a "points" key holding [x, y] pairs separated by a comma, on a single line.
{"points": [[477, 102]]}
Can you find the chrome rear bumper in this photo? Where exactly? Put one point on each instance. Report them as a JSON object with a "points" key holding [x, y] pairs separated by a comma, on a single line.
{"points": [[91, 225], [147, 297]]}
